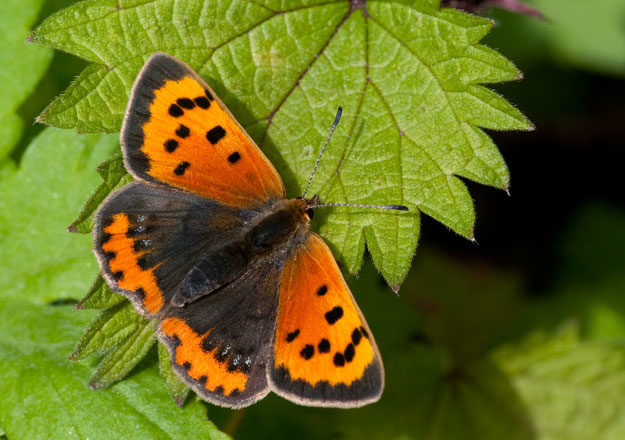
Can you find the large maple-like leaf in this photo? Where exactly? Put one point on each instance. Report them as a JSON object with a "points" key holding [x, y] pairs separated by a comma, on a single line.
{"points": [[407, 74]]}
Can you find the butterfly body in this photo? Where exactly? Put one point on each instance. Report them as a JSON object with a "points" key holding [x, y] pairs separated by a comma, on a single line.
{"points": [[245, 297], [268, 233]]}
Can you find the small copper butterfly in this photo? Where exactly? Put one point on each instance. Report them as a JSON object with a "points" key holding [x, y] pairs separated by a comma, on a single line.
{"points": [[204, 242]]}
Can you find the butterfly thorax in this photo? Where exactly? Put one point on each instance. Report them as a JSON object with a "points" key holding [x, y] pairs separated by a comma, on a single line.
{"points": [[285, 221]]}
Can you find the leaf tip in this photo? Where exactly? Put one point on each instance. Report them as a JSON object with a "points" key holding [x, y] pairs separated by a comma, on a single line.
{"points": [[395, 288], [41, 119], [179, 401], [32, 38], [473, 240], [94, 384], [72, 228]]}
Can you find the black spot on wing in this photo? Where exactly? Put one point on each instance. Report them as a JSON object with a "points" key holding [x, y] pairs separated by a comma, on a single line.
{"points": [[291, 336], [185, 103], [307, 352], [108, 256], [207, 345], [324, 346], [141, 244], [364, 332], [186, 365], [219, 390], [183, 131], [339, 359], [175, 110], [322, 290], [143, 262], [334, 315], [181, 168], [356, 336], [202, 102], [350, 352], [234, 157], [171, 145], [105, 238], [215, 134]]}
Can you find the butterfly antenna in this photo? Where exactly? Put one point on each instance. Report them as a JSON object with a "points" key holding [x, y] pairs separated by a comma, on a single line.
{"points": [[334, 124], [354, 205]]}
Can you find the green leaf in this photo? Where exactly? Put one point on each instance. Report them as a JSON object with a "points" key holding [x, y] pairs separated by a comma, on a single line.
{"points": [[407, 75], [455, 303], [115, 176], [99, 296], [22, 66], [121, 360], [572, 389], [111, 328], [40, 261], [589, 278], [44, 395], [178, 390], [564, 36], [125, 337]]}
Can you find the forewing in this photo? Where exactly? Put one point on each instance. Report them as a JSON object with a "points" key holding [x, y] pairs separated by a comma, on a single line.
{"points": [[148, 237], [324, 353], [220, 344], [177, 131]]}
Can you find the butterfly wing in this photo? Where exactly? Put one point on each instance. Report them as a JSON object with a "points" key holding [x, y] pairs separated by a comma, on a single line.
{"points": [[147, 238], [177, 131], [219, 345], [323, 353]]}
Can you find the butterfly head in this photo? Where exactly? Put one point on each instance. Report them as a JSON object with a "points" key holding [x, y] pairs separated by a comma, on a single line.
{"points": [[304, 209], [310, 205]]}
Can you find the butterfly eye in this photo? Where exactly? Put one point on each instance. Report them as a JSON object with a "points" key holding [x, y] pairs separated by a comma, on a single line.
{"points": [[310, 213]]}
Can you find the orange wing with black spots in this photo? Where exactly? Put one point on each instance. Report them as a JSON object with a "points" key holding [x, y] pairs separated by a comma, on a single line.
{"points": [[124, 263], [220, 344], [147, 238], [324, 353], [200, 364], [177, 131]]}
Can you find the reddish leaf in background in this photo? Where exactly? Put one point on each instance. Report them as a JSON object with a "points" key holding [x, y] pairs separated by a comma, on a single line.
{"points": [[479, 6]]}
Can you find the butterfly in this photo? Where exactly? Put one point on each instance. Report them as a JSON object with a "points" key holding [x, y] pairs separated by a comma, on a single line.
{"points": [[245, 297]]}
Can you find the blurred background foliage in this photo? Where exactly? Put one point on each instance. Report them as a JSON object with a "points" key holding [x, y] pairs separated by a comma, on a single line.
{"points": [[520, 335]]}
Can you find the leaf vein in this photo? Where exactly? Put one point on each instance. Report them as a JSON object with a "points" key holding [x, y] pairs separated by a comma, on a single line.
{"points": [[301, 76]]}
